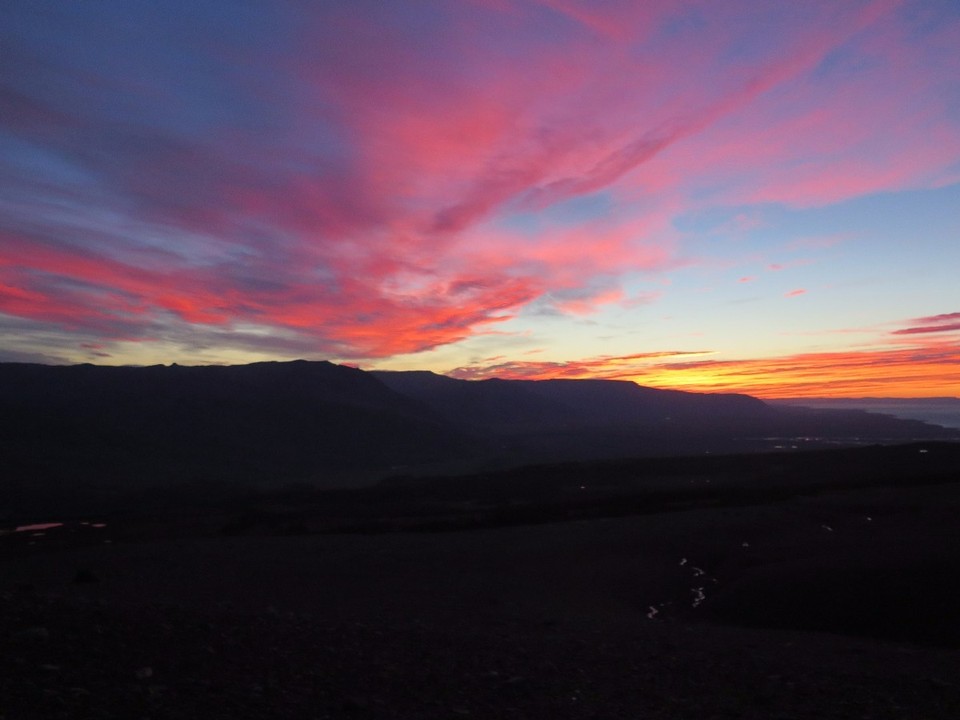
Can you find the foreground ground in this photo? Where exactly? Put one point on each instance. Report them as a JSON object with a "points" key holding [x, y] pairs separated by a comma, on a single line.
{"points": [[834, 604]]}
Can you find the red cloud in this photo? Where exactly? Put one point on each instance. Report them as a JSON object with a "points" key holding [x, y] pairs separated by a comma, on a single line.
{"points": [[795, 293], [73, 288]]}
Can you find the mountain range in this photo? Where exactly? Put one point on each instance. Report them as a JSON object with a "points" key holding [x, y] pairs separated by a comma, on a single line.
{"points": [[97, 431]]}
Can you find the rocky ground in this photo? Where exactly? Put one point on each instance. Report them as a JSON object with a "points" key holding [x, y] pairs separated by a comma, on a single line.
{"points": [[76, 659], [834, 605]]}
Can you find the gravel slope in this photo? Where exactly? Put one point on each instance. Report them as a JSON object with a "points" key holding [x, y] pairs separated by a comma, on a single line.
{"points": [[172, 620]]}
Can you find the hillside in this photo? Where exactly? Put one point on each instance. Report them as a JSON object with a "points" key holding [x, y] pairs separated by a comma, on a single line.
{"points": [[97, 431], [91, 436], [800, 585]]}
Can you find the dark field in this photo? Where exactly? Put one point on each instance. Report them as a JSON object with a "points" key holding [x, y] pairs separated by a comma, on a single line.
{"points": [[808, 585]]}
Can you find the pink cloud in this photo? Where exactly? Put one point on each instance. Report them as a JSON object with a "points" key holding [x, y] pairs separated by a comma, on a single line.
{"points": [[795, 293], [790, 148], [362, 198], [605, 366], [947, 322], [928, 329], [942, 318]]}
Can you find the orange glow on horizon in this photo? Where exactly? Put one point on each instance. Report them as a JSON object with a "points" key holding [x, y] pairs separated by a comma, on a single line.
{"points": [[920, 371]]}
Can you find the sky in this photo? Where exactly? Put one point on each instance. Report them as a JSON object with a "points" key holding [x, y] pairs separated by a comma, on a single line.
{"points": [[749, 195]]}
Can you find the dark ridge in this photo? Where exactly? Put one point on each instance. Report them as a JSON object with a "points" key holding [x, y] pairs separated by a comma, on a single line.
{"points": [[495, 405], [88, 430], [559, 403], [90, 436]]}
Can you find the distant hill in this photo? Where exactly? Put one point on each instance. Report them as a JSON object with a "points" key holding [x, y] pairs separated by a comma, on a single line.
{"points": [[85, 431], [943, 411], [549, 420], [498, 405], [538, 404]]}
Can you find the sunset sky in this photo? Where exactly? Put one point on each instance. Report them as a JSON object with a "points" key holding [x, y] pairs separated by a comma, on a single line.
{"points": [[745, 195]]}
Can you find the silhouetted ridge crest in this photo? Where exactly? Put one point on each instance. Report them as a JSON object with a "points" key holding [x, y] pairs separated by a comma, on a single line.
{"points": [[95, 431], [618, 401], [567, 403], [264, 420]]}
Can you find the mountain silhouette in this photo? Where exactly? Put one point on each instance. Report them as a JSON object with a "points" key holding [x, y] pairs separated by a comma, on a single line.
{"points": [[97, 431], [264, 422], [555, 420]]}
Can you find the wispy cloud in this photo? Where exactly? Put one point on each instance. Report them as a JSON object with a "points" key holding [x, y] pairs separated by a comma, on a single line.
{"points": [[948, 322], [917, 371], [613, 367], [353, 179]]}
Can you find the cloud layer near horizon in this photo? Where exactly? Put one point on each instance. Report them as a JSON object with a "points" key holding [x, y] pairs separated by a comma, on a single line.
{"points": [[888, 372], [363, 180]]}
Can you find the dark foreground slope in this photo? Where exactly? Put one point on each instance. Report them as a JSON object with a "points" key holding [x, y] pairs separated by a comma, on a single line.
{"points": [[779, 586]]}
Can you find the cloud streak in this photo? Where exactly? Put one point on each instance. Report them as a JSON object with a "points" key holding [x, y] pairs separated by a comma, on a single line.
{"points": [[917, 371], [609, 367], [947, 322]]}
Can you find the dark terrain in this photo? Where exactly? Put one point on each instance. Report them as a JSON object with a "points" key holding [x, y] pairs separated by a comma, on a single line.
{"points": [[783, 584], [88, 438], [803, 585]]}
